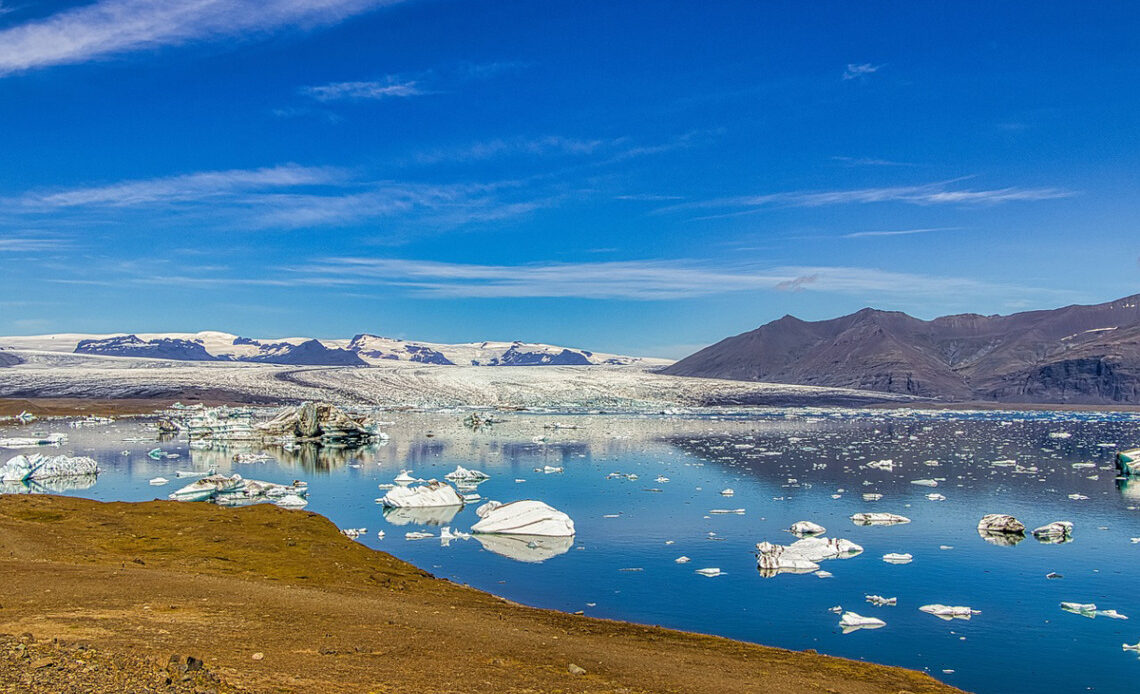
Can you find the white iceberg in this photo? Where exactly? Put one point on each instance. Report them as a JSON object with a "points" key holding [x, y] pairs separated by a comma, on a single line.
{"points": [[802, 528], [802, 556], [434, 493], [29, 468], [948, 612], [897, 558], [522, 518], [462, 474], [850, 621], [32, 442]]}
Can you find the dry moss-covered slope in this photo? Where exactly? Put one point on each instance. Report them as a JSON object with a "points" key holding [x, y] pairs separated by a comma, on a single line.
{"points": [[136, 583]]}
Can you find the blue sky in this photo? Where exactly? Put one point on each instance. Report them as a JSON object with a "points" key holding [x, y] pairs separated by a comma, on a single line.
{"points": [[639, 177]]}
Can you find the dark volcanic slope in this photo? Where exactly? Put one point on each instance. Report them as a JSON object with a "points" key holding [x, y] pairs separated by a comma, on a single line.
{"points": [[1076, 354]]}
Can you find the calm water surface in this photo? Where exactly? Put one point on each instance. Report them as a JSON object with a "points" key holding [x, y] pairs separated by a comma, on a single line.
{"points": [[784, 466]]}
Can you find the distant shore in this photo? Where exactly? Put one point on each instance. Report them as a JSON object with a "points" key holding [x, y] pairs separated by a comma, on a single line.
{"points": [[78, 407], [277, 600]]}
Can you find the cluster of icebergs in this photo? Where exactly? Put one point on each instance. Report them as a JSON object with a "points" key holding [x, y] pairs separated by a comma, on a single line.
{"points": [[1005, 530]]}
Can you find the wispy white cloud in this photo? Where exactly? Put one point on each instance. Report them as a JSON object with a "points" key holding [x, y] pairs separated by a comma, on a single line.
{"points": [[34, 243], [518, 146], [391, 87], [289, 196], [855, 71], [107, 28], [896, 232], [631, 280], [196, 186], [928, 194], [869, 161]]}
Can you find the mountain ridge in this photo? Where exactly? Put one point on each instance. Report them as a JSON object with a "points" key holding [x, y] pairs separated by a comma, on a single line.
{"points": [[363, 349], [1073, 354]]}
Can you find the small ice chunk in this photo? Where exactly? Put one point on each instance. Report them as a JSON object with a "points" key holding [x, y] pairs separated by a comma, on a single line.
{"points": [[878, 519], [896, 558], [682, 559], [948, 612], [802, 528], [850, 621], [711, 572], [880, 601]]}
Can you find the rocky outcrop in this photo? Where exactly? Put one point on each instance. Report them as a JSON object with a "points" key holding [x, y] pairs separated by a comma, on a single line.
{"points": [[307, 353], [517, 355], [1076, 354], [133, 346]]}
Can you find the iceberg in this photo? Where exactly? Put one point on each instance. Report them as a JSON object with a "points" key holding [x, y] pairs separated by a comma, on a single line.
{"points": [[208, 487], [462, 474], [802, 556], [1001, 529], [850, 621], [33, 442], [876, 518], [434, 493], [1128, 462], [1054, 533], [29, 468], [802, 528], [948, 612], [522, 518]]}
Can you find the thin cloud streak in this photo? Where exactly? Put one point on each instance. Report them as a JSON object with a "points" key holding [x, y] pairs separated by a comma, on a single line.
{"points": [[896, 232], [113, 27], [642, 280], [923, 195], [364, 91], [854, 71]]}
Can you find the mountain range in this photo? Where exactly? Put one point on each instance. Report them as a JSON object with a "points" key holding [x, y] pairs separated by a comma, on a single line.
{"points": [[1075, 354], [361, 350]]}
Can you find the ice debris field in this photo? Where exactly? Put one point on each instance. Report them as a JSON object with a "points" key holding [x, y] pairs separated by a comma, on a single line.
{"points": [[991, 549]]}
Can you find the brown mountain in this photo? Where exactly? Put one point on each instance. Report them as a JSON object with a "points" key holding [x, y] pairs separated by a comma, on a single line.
{"points": [[1075, 354]]}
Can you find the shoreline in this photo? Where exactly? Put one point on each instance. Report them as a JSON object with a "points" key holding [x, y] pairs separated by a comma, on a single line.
{"points": [[327, 614], [101, 406]]}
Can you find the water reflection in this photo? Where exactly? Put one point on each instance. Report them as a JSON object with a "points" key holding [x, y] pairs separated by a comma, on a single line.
{"points": [[432, 515], [525, 548]]}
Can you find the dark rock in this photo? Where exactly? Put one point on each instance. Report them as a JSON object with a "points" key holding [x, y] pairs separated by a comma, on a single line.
{"points": [[1076, 354], [133, 346]]}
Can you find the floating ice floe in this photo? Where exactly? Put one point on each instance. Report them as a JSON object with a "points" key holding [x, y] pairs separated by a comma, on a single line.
{"points": [[874, 518], [434, 493], [850, 621], [291, 501], [802, 556], [727, 492], [208, 487], [35, 468], [887, 465], [34, 441], [948, 612], [404, 478], [1001, 529], [1054, 533], [935, 496], [25, 417], [710, 572], [159, 481], [1084, 609], [682, 559], [353, 533], [925, 483], [880, 601], [722, 511], [802, 528], [896, 558], [526, 517], [462, 474]]}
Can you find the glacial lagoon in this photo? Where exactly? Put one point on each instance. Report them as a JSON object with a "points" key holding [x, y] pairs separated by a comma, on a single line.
{"points": [[642, 490]]}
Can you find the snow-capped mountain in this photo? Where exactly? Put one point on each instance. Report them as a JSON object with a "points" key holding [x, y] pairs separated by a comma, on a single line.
{"points": [[361, 350]]}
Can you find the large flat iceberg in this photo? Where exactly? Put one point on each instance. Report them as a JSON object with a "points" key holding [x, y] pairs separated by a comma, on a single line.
{"points": [[522, 518]]}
